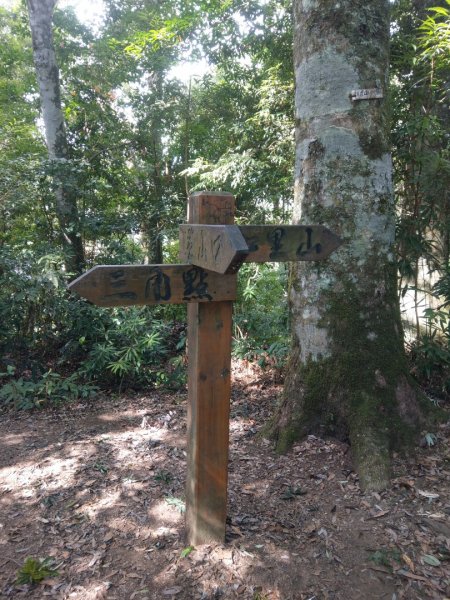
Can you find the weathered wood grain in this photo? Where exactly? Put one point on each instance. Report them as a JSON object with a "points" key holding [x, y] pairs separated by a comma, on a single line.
{"points": [[129, 285], [219, 248], [278, 243], [209, 388]]}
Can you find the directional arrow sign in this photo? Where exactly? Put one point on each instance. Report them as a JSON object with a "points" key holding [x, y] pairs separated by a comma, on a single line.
{"points": [[219, 248], [279, 243], [128, 285]]}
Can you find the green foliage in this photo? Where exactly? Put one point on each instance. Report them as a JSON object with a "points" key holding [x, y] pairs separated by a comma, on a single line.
{"points": [[163, 476], [290, 493], [140, 141], [430, 440], [261, 315], [431, 353], [259, 595], [132, 130], [51, 388], [385, 557], [30, 307], [420, 67], [186, 551], [35, 570], [100, 467], [255, 158], [435, 39], [135, 349], [177, 503], [42, 326]]}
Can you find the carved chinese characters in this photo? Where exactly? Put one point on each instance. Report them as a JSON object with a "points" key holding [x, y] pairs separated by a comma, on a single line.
{"points": [[153, 284]]}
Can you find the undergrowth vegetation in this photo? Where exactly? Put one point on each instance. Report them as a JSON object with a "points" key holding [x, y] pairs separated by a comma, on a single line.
{"points": [[56, 346], [135, 153]]}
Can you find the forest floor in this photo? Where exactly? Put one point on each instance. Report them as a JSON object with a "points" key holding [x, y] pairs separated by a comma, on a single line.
{"points": [[99, 487]]}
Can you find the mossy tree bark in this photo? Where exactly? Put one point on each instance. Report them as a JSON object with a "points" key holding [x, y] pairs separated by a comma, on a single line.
{"points": [[47, 74], [347, 374]]}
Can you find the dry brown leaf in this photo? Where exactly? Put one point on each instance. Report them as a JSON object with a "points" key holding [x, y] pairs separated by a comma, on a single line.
{"points": [[410, 575], [408, 562], [380, 569], [429, 495], [405, 482], [96, 557], [383, 513], [172, 591]]}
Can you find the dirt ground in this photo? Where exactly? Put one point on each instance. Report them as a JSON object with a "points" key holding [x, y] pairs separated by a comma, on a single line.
{"points": [[99, 487]]}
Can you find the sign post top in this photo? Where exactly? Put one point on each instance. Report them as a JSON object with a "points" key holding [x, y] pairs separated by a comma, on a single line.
{"points": [[211, 193], [219, 206]]}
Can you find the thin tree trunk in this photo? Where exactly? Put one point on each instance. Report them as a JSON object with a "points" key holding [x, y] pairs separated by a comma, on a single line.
{"points": [[47, 73], [347, 374], [187, 137]]}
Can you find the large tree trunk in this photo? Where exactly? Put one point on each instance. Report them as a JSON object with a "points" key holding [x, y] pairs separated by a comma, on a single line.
{"points": [[347, 374], [47, 73]]}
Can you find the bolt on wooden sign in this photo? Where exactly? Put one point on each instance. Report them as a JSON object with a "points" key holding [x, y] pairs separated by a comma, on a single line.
{"points": [[213, 249]]}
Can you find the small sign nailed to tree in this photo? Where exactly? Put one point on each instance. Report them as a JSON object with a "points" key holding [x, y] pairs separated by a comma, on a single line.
{"points": [[367, 94], [214, 249]]}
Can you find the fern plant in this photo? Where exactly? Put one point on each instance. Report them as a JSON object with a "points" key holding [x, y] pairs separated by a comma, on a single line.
{"points": [[134, 350]]}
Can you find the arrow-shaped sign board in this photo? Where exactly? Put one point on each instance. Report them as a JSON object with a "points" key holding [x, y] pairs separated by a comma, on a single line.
{"points": [[219, 248], [223, 248], [129, 285], [279, 243]]}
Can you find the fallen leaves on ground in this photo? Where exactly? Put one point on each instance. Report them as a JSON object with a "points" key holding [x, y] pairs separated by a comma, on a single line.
{"points": [[100, 486]]}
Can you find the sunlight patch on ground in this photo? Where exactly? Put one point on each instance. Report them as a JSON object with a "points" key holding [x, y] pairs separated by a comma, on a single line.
{"points": [[29, 480], [165, 514], [129, 441], [14, 439], [118, 417], [101, 503]]}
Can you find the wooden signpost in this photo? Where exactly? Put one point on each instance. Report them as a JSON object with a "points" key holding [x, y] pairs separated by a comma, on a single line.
{"points": [[213, 249]]}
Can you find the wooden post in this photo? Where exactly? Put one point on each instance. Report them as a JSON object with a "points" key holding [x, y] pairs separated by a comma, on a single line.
{"points": [[208, 284], [209, 388]]}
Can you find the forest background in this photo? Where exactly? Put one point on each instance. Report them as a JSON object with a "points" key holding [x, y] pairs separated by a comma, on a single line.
{"points": [[140, 139]]}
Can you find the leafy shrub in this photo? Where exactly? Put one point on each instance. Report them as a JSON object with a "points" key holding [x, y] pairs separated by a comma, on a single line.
{"points": [[386, 557], [31, 306], [51, 388], [261, 315], [34, 570], [44, 328], [430, 354], [136, 349]]}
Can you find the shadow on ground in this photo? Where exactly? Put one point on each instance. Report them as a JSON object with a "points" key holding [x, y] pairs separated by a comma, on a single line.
{"points": [[100, 488]]}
